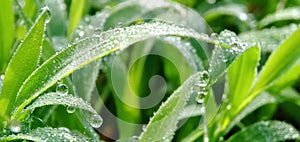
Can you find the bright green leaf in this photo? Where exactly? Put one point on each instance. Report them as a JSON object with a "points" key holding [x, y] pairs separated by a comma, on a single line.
{"points": [[241, 75], [23, 63], [279, 63], [76, 11], [6, 32]]}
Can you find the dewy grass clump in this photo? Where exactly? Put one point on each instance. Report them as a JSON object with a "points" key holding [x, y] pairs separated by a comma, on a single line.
{"points": [[149, 70]]}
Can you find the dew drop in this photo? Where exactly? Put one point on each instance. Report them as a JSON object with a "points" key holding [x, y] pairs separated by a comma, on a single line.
{"points": [[228, 107], [48, 13], [135, 138], [200, 98], [95, 120], [71, 109], [15, 126], [62, 88], [81, 33]]}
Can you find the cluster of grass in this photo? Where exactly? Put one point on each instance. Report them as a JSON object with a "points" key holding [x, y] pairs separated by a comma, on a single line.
{"points": [[149, 70]]}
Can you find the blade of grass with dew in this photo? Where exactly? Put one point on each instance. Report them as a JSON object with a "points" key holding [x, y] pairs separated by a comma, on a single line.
{"points": [[23, 63], [282, 15], [72, 104], [164, 122], [223, 57], [76, 11], [268, 39], [236, 10], [48, 134], [6, 32], [95, 47], [266, 131]]}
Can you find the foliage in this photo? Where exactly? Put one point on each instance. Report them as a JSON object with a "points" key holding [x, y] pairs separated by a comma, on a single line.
{"points": [[143, 70]]}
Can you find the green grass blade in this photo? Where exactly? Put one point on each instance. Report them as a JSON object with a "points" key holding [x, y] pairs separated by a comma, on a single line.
{"points": [[76, 11], [6, 32], [90, 49], [241, 75], [23, 63], [283, 15], [72, 104], [279, 62], [163, 124], [288, 79], [268, 131], [48, 134]]}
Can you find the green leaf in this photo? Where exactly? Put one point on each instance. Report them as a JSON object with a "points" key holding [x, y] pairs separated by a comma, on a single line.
{"points": [[48, 134], [241, 75], [270, 131], [278, 63], [90, 49], [268, 39], [282, 15], [76, 11], [6, 32], [23, 63], [287, 79], [164, 122], [72, 104]]}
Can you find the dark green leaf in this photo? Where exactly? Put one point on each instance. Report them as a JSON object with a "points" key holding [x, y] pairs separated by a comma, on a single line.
{"points": [[268, 131]]}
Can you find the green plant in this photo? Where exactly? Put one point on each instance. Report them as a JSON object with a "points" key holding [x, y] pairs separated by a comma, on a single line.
{"points": [[67, 63]]}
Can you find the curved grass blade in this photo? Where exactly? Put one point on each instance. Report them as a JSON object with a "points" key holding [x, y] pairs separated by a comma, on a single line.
{"points": [[283, 15], [137, 10], [270, 131], [236, 10], [71, 102], [23, 63], [6, 32], [288, 79], [48, 134], [278, 63], [90, 49]]}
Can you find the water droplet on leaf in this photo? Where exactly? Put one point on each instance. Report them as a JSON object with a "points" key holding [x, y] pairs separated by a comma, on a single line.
{"points": [[15, 126], [62, 88], [95, 120], [71, 109]]}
